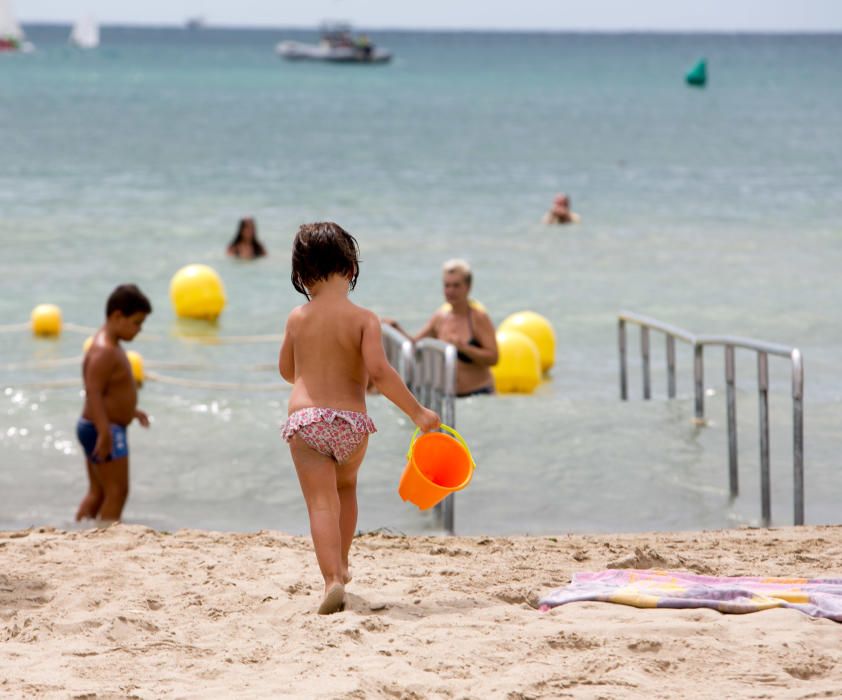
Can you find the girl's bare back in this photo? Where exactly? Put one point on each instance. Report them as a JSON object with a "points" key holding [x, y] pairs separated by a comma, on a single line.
{"points": [[326, 336]]}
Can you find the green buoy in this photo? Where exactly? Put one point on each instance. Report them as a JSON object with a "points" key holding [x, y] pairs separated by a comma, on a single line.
{"points": [[697, 76]]}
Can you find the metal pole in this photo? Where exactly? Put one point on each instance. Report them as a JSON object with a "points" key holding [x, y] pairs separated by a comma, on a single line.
{"points": [[730, 382], [644, 357], [670, 366], [699, 382], [798, 436], [621, 339], [449, 417], [763, 395]]}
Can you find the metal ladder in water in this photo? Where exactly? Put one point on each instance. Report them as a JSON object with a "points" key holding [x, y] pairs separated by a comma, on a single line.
{"points": [[730, 343]]}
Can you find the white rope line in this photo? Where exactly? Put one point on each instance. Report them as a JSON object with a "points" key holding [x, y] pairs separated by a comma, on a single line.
{"points": [[161, 379], [55, 384], [209, 339], [76, 328], [42, 364], [155, 364], [231, 339], [262, 367], [198, 384], [14, 327]]}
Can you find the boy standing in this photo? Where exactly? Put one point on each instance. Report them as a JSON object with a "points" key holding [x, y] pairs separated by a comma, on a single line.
{"points": [[110, 405]]}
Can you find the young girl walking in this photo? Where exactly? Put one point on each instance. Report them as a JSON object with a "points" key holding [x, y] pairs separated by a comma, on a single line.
{"points": [[331, 348]]}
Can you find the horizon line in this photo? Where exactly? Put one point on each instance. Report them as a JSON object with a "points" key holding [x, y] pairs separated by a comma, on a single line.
{"points": [[444, 29]]}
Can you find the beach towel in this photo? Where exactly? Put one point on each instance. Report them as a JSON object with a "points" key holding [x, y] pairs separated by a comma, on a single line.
{"points": [[728, 594]]}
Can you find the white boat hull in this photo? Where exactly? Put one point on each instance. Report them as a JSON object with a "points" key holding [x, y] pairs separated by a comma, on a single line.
{"points": [[297, 51]]}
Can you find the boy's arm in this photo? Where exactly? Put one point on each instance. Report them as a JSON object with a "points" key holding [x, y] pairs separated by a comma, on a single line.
{"points": [[286, 358], [98, 369], [388, 381]]}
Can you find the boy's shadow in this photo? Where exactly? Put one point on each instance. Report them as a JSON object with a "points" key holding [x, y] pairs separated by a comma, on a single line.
{"points": [[21, 593]]}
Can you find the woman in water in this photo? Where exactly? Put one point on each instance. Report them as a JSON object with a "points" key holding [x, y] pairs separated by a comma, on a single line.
{"points": [[245, 245], [464, 324]]}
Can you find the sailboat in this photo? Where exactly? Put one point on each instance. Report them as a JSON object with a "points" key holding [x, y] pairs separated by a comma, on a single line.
{"points": [[85, 33], [12, 37]]}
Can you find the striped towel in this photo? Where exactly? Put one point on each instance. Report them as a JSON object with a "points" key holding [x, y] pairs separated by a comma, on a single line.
{"points": [[728, 594]]}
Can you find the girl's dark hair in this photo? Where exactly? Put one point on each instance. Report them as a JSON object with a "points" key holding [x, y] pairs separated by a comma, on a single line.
{"points": [[128, 300], [259, 250], [320, 250]]}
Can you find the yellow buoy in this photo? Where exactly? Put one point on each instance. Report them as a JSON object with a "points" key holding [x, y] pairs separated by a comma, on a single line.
{"points": [[473, 303], [519, 367], [136, 361], [46, 320], [196, 291], [539, 330], [87, 344]]}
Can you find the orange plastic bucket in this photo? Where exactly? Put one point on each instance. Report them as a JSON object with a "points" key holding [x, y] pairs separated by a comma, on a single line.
{"points": [[436, 466]]}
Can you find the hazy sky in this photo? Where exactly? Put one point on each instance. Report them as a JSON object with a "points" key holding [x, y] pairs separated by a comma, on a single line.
{"points": [[773, 15]]}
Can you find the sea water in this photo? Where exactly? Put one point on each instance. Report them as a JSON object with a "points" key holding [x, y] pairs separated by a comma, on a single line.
{"points": [[717, 210]]}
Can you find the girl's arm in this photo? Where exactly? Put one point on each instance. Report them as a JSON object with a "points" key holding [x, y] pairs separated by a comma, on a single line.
{"points": [[286, 358], [388, 381]]}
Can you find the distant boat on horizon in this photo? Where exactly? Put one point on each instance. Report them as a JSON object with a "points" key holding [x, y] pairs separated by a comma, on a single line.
{"points": [[195, 23], [12, 37], [85, 33], [337, 45]]}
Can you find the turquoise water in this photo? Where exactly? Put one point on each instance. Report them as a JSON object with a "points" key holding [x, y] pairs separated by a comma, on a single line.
{"points": [[717, 209]]}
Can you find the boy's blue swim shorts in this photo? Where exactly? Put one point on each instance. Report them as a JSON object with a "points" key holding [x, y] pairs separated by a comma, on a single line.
{"points": [[87, 434]]}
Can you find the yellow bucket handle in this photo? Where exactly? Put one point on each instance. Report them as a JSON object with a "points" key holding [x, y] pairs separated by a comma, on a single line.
{"points": [[449, 430]]}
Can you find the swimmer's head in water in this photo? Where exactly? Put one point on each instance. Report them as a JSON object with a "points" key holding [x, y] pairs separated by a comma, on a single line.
{"points": [[320, 250]]}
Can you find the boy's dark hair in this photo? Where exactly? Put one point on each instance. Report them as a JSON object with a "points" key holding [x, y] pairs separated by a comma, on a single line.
{"points": [[320, 250], [128, 300]]}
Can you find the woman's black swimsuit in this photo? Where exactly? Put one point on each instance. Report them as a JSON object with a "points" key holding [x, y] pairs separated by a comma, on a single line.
{"points": [[473, 342]]}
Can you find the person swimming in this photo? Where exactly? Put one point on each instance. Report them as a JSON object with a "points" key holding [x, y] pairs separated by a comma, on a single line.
{"points": [[245, 244], [560, 212]]}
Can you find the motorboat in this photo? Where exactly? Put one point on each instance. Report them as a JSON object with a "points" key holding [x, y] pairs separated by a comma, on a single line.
{"points": [[85, 34], [12, 37], [195, 23], [337, 45]]}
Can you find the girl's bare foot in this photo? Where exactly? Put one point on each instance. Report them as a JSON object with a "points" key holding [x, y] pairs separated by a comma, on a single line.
{"points": [[334, 599]]}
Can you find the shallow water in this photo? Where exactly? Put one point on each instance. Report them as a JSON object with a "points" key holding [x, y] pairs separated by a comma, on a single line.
{"points": [[717, 210]]}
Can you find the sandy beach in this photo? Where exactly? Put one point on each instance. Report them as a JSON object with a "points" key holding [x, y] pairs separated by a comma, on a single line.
{"points": [[132, 612]]}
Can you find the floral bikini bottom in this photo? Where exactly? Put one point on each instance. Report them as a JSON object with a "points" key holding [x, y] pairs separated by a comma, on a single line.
{"points": [[320, 430]]}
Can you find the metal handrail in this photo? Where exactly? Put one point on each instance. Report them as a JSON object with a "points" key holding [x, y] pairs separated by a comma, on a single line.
{"points": [[398, 349], [429, 369], [434, 383], [730, 343]]}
